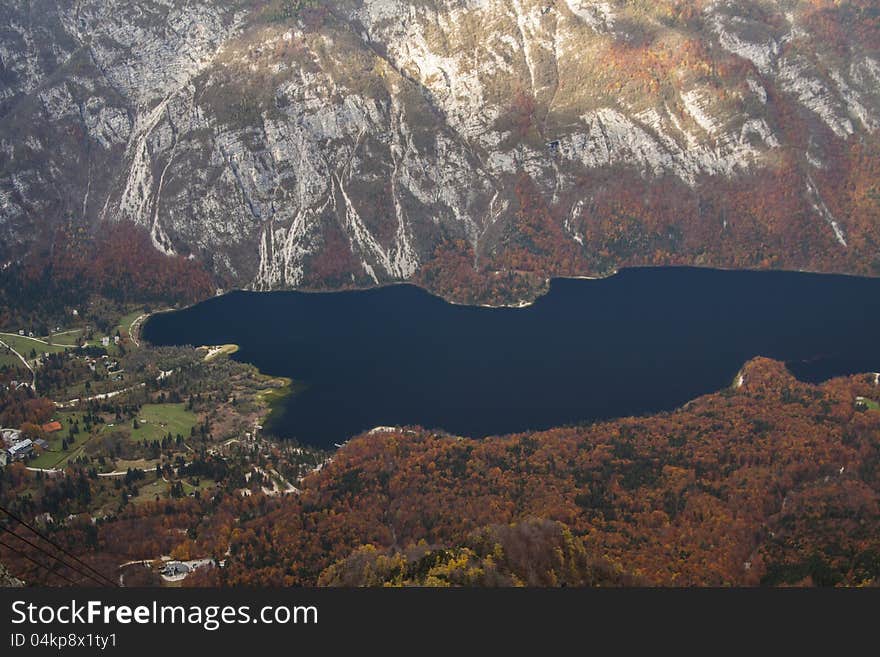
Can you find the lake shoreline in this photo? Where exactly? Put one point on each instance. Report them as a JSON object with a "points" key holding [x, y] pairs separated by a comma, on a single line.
{"points": [[517, 305], [524, 303]]}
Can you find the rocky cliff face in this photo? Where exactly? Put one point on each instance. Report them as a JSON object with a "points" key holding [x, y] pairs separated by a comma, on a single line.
{"points": [[297, 143], [7, 580]]}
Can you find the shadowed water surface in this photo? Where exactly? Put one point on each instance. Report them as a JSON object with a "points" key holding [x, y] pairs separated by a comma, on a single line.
{"points": [[642, 341]]}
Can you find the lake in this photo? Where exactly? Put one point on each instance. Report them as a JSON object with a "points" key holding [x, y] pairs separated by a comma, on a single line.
{"points": [[642, 341]]}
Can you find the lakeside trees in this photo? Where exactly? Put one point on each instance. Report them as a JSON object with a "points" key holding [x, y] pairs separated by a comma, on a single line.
{"points": [[773, 482], [118, 262]]}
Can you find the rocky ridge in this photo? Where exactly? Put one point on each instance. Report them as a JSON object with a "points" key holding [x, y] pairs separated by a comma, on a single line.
{"points": [[336, 144]]}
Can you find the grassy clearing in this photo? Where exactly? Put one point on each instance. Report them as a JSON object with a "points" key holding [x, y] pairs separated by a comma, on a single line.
{"points": [[139, 464], [9, 359], [157, 420], [24, 345], [865, 404], [281, 389], [57, 459], [48, 460], [65, 338], [204, 485], [125, 322], [148, 493], [56, 456]]}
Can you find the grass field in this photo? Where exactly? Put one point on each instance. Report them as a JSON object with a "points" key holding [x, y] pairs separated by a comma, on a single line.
{"points": [[55, 457], [157, 420], [24, 345], [204, 485], [9, 359], [65, 338], [149, 492], [863, 403], [139, 464], [125, 322], [48, 460]]}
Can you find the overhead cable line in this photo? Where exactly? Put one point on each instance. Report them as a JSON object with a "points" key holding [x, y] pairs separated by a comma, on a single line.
{"points": [[58, 547], [41, 565]]}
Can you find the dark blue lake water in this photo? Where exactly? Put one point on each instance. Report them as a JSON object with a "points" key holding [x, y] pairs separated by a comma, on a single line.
{"points": [[643, 341]]}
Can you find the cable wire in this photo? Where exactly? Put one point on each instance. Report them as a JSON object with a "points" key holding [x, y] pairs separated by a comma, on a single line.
{"points": [[61, 561], [41, 565], [58, 547]]}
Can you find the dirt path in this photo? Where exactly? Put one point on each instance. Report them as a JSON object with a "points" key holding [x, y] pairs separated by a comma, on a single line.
{"points": [[101, 397], [134, 327], [26, 337]]}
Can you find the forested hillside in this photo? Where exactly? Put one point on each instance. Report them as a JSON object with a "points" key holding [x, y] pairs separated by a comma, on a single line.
{"points": [[773, 482]]}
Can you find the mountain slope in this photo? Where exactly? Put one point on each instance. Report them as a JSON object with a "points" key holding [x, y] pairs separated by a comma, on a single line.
{"points": [[533, 553], [772, 481], [475, 147]]}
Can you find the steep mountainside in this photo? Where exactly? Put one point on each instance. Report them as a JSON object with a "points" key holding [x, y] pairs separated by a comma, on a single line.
{"points": [[475, 146]]}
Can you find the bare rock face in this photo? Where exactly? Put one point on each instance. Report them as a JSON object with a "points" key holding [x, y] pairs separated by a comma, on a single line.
{"points": [[297, 143], [7, 580]]}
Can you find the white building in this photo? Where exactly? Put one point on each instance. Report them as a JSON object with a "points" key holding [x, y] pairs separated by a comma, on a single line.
{"points": [[20, 450]]}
